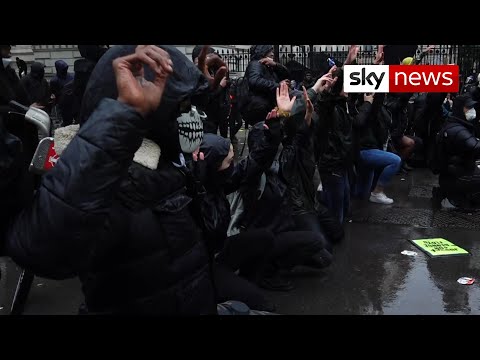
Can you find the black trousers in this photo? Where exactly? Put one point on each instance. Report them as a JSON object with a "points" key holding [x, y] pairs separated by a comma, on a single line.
{"points": [[235, 121], [293, 248], [463, 190], [323, 223], [248, 253]]}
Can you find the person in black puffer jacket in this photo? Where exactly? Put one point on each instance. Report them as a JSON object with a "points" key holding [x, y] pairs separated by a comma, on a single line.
{"points": [[334, 147], [460, 177], [263, 75], [121, 219]]}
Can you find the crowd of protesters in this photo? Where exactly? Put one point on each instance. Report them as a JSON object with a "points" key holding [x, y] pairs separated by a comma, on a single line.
{"points": [[152, 209]]}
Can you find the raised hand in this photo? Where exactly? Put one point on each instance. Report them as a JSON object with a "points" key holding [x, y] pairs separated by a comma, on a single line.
{"points": [[284, 103], [309, 107], [212, 61], [133, 88]]}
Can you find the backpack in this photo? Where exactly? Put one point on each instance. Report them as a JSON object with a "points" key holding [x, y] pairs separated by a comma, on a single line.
{"points": [[241, 93]]}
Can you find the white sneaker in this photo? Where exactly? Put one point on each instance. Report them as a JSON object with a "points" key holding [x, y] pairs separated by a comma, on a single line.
{"points": [[380, 198]]}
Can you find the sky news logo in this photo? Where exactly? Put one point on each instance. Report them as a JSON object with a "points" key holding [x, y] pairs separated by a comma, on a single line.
{"points": [[400, 78]]}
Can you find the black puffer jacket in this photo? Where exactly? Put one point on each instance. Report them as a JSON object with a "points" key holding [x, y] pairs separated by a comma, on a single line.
{"points": [[460, 145], [263, 80], [18, 141], [127, 230]]}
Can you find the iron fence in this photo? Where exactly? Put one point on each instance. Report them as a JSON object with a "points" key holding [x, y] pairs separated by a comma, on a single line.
{"points": [[299, 59]]}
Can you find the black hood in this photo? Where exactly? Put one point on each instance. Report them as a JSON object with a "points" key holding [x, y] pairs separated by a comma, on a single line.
{"points": [[61, 67], [258, 52], [186, 83], [37, 70], [215, 148], [92, 52], [255, 136], [459, 103]]}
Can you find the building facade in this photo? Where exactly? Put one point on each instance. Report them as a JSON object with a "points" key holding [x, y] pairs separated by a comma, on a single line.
{"points": [[48, 54]]}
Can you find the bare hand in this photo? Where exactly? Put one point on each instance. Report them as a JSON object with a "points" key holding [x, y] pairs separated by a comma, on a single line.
{"points": [[197, 155], [37, 105], [284, 102], [325, 82], [206, 62], [224, 82], [368, 98], [133, 88], [429, 49], [267, 61], [146, 55], [380, 55], [352, 54], [309, 107]]}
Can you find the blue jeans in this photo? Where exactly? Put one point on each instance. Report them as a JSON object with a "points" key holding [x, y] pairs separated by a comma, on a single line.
{"points": [[371, 160], [336, 193]]}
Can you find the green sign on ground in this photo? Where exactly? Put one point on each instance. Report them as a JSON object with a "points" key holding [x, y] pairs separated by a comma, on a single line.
{"points": [[439, 247]]}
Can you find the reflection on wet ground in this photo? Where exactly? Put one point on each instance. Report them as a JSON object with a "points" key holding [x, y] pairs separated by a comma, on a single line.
{"points": [[369, 274]]}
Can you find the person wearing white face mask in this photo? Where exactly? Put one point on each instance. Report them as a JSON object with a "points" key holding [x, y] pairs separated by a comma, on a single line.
{"points": [[460, 149]]}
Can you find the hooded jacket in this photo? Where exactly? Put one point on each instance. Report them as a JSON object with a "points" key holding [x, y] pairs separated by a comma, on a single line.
{"points": [[218, 184], [126, 228], [36, 85], [460, 145], [263, 80], [61, 78]]}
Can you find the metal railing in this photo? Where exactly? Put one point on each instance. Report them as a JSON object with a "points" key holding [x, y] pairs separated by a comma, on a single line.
{"points": [[313, 58]]}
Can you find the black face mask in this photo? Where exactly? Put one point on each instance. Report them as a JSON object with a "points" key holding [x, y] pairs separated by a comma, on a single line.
{"points": [[221, 177]]}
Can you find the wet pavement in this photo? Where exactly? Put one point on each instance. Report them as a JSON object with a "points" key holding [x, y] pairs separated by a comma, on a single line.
{"points": [[369, 274]]}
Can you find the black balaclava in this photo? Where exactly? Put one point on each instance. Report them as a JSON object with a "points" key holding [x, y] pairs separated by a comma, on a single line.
{"points": [[215, 149], [37, 70], [92, 52], [185, 87]]}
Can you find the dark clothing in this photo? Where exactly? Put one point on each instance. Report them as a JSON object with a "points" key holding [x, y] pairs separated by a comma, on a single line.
{"points": [[333, 134], [60, 79], [461, 146], [336, 194], [262, 82], [126, 230], [217, 111], [36, 85], [246, 173], [83, 70], [372, 125], [397, 105], [297, 168], [18, 141]]}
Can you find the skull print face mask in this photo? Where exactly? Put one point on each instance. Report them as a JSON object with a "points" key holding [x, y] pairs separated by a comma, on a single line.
{"points": [[190, 129]]}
